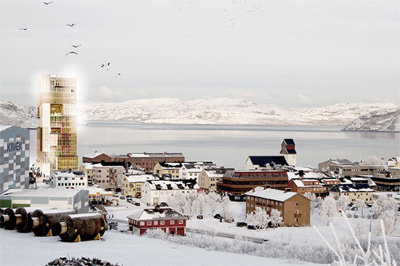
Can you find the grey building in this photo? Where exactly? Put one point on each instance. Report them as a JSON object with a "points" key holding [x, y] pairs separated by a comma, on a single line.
{"points": [[14, 157]]}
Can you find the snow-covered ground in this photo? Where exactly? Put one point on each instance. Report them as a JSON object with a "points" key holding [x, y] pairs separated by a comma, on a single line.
{"points": [[19, 249], [127, 249]]}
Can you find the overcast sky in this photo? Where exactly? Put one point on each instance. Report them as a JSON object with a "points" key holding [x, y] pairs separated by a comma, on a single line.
{"points": [[291, 53]]}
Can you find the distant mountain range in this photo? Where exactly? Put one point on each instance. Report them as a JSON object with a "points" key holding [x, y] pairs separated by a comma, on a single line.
{"points": [[214, 111], [18, 115], [380, 120]]}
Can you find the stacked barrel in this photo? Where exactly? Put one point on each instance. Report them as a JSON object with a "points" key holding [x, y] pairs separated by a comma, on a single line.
{"points": [[71, 227]]}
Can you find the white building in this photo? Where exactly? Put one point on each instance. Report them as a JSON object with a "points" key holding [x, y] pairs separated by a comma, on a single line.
{"points": [[77, 199], [68, 179], [155, 192], [192, 170], [108, 176]]}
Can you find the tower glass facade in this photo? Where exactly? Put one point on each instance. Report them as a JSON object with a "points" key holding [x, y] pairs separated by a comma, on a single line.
{"points": [[57, 134]]}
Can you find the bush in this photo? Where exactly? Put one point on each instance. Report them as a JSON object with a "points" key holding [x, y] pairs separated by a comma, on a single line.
{"points": [[348, 215]]}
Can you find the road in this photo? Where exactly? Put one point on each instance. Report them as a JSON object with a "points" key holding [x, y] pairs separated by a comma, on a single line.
{"points": [[226, 235]]}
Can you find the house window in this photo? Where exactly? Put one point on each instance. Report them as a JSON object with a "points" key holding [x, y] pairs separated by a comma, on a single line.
{"points": [[297, 204], [148, 222], [155, 222], [162, 222], [141, 223], [297, 219], [172, 222], [180, 221]]}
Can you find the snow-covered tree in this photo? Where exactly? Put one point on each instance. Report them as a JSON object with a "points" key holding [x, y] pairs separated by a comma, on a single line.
{"points": [[361, 206], [328, 208], [214, 201], [360, 229], [226, 208], [201, 197], [389, 222], [342, 202], [384, 203], [261, 218], [250, 219], [275, 218], [177, 202], [194, 208]]}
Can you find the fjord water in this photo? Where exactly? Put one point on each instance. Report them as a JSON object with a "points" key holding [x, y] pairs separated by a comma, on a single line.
{"points": [[230, 145]]}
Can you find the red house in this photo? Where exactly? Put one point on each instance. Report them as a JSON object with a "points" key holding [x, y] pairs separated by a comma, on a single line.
{"points": [[165, 219]]}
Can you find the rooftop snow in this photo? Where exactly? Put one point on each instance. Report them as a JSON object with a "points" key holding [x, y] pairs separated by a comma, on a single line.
{"points": [[270, 193]]}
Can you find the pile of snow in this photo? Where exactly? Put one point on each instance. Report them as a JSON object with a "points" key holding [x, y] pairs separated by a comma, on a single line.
{"points": [[380, 120], [18, 115]]}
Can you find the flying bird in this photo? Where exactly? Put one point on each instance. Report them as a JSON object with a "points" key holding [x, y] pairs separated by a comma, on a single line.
{"points": [[71, 25], [119, 74], [102, 65], [76, 46], [23, 28], [72, 52], [47, 3]]}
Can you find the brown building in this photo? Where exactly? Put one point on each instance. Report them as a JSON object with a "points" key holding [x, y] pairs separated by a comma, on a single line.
{"points": [[236, 183], [147, 161], [294, 208], [139, 161], [96, 157], [303, 186]]}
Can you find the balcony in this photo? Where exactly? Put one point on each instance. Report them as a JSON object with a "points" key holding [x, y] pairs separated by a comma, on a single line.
{"points": [[297, 215]]}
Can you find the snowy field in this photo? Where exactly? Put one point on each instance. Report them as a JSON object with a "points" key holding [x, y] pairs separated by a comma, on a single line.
{"points": [[116, 247]]}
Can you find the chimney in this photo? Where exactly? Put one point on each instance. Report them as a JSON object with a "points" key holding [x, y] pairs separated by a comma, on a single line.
{"points": [[301, 174], [288, 189], [254, 189], [157, 208]]}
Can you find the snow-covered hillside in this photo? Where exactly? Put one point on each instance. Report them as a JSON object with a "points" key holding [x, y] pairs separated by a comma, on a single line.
{"points": [[202, 111], [380, 120], [224, 111], [18, 115]]}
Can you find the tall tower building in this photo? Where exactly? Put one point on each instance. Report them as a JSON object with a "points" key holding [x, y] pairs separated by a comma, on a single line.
{"points": [[57, 134]]}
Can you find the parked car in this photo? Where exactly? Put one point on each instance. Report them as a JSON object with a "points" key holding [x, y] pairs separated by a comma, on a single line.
{"points": [[137, 203], [218, 216], [200, 216], [122, 197], [128, 196], [163, 204], [251, 227], [113, 225], [241, 224]]}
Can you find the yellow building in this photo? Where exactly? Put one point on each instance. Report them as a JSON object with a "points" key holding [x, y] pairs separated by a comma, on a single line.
{"points": [[167, 170], [57, 133], [131, 184], [208, 179], [353, 191]]}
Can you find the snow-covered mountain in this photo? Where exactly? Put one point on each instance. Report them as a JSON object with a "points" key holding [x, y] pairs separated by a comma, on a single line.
{"points": [[202, 111], [380, 120], [18, 115], [224, 111]]}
